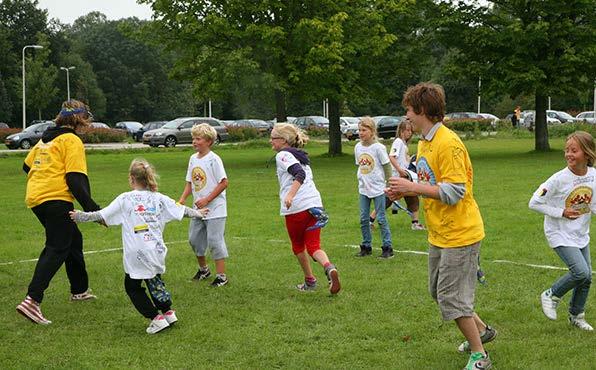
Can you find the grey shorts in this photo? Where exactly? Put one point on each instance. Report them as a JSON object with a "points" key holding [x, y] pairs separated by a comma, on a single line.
{"points": [[206, 235], [452, 279]]}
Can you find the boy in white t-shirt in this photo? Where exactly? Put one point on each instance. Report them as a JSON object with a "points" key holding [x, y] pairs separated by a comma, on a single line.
{"points": [[206, 179], [143, 214]]}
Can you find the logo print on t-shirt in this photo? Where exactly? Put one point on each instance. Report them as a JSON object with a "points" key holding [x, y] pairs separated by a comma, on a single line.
{"points": [[425, 173], [579, 199], [366, 163], [199, 178]]}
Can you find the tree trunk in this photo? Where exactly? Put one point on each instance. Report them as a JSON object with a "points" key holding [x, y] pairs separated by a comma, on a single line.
{"points": [[334, 132], [541, 128], [280, 105]]}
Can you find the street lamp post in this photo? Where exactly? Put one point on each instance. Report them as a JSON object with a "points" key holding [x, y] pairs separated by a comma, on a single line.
{"points": [[24, 105], [479, 86], [67, 80]]}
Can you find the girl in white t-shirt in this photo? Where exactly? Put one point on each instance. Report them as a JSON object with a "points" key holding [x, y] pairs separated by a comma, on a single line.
{"points": [[373, 172], [143, 214], [301, 204], [567, 201], [400, 161]]}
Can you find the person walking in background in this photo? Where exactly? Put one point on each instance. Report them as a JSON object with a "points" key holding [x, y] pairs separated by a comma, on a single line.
{"points": [[206, 179], [301, 204], [143, 214], [374, 170], [567, 201], [455, 227], [516, 117], [57, 175]]}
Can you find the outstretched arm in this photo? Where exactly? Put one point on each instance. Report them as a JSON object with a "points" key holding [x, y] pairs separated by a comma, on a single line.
{"points": [[195, 213], [79, 216]]}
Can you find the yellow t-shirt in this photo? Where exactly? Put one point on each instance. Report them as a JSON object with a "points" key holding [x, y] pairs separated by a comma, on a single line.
{"points": [[49, 163], [444, 159]]}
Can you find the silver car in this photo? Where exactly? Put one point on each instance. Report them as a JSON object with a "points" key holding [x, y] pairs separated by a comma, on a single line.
{"points": [[178, 131]]}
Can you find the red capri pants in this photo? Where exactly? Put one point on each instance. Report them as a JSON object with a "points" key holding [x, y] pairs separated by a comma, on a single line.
{"points": [[302, 239]]}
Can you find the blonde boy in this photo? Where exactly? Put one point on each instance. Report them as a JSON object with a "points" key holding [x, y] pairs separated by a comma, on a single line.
{"points": [[206, 179]]}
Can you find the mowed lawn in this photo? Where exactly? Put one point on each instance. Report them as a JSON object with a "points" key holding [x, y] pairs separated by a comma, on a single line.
{"points": [[383, 317]]}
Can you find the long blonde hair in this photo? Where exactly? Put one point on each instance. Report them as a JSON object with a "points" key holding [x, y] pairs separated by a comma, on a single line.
{"points": [[143, 173], [586, 143], [369, 124], [402, 127], [292, 134]]}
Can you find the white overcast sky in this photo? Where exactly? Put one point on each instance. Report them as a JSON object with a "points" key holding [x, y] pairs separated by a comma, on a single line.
{"points": [[68, 10]]}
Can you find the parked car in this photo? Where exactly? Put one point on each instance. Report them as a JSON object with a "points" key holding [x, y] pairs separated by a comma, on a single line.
{"points": [[459, 115], [493, 119], [378, 118], [131, 127], [387, 127], [586, 116], [4, 125], [138, 136], [178, 131], [311, 121], [349, 127], [261, 126], [564, 117], [99, 125], [29, 136], [528, 120]]}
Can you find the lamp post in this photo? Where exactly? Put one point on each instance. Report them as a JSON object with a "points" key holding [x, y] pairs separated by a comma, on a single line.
{"points": [[24, 105], [479, 87], [67, 80]]}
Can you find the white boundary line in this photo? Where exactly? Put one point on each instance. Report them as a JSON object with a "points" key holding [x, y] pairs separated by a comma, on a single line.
{"points": [[545, 267]]}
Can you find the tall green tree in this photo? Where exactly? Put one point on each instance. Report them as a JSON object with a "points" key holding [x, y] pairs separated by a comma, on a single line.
{"points": [[542, 48], [41, 78]]}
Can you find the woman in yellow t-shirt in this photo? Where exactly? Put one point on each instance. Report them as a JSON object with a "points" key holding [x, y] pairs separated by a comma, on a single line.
{"points": [[57, 174]]}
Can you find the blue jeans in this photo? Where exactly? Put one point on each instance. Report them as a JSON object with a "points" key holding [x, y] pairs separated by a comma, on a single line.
{"points": [[579, 277], [382, 220]]}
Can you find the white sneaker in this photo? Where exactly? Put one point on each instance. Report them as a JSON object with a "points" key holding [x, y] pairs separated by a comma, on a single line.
{"points": [[85, 296], [170, 317], [549, 304], [418, 226], [158, 324], [580, 321]]}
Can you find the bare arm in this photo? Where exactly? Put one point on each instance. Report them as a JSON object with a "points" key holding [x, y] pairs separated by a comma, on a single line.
{"points": [[202, 203], [292, 193], [185, 193]]}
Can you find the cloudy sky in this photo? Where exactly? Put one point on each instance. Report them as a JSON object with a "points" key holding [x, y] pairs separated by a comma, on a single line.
{"points": [[69, 10]]}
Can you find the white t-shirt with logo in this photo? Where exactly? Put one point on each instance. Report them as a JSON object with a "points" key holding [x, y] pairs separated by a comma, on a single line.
{"points": [[204, 174], [399, 150], [563, 190], [143, 215], [307, 196], [370, 160]]}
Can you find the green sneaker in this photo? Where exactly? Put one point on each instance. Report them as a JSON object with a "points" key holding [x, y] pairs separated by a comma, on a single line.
{"points": [[478, 361]]}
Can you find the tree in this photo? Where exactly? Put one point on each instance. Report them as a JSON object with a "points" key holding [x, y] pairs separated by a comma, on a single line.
{"points": [[542, 48], [41, 77]]}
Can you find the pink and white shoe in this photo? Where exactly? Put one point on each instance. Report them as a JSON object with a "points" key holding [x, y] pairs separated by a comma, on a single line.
{"points": [[170, 317], [158, 324], [85, 296], [30, 309]]}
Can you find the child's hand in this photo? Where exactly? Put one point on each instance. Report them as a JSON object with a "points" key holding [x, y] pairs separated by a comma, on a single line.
{"points": [[399, 185], [203, 212], [202, 203], [73, 215], [288, 201], [571, 213]]}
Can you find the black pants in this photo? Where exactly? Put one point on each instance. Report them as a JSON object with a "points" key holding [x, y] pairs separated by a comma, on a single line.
{"points": [[64, 245], [160, 297]]}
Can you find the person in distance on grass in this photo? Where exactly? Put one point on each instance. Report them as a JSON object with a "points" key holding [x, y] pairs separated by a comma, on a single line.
{"points": [[454, 223], [143, 214], [301, 204], [56, 175], [374, 169], [567, 201], [400, 163], [207, 181]]}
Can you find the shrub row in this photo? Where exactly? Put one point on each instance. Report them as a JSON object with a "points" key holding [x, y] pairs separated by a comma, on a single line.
{"points": [[242, 133], [4, 132], [469, 124], [87, 135]]}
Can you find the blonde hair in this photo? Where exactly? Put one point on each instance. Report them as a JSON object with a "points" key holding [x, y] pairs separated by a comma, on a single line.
{"points": [[402, 127], [204, 131], [74, 114], [586, 143], [294, 136], [143, 173], [369, 124]]}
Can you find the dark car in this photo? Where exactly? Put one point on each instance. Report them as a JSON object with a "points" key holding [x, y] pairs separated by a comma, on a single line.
{"points": [[261, 126], [178, 131], [28, 137], [387, 126], [138, 136], [311, 122], [131, 127]]}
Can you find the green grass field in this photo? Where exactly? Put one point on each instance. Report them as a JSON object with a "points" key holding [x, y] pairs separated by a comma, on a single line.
{"points": [[383, 317]]}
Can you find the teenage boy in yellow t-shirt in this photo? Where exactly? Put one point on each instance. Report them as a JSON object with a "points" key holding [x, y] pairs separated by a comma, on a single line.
{"points": [[454, 223]]}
